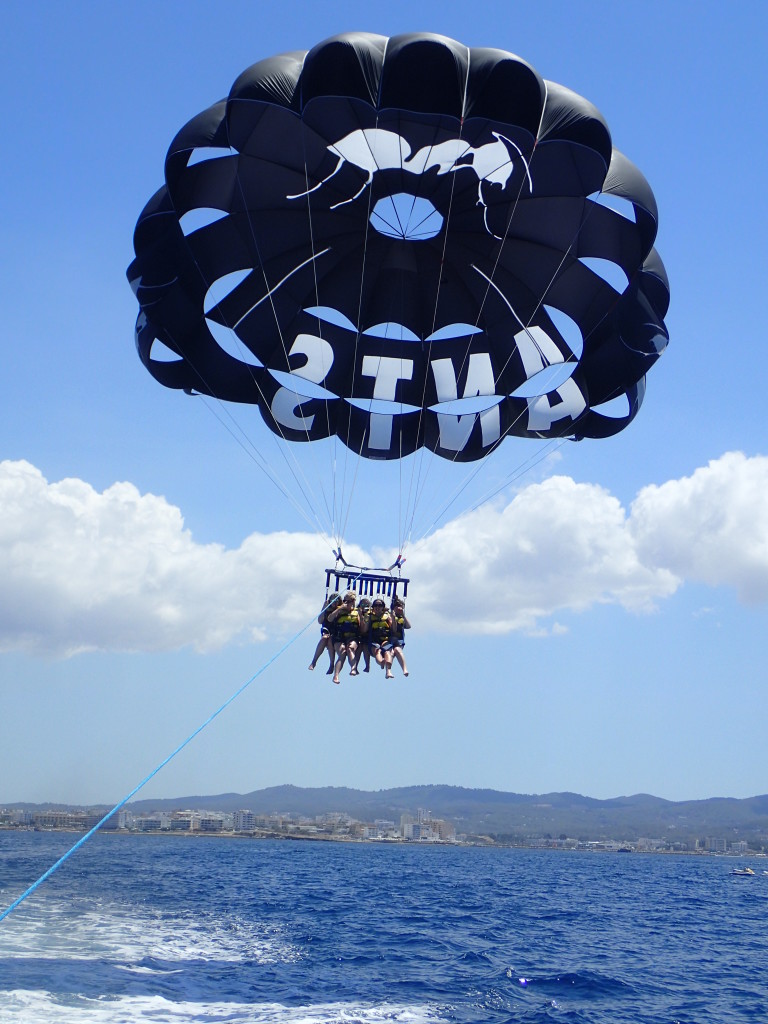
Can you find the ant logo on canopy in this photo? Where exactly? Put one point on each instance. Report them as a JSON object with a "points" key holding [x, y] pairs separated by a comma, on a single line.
{"points": [[373, 150]]}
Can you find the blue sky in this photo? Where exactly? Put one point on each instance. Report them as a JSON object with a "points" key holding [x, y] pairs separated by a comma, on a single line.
{"points": [[598, 627]]}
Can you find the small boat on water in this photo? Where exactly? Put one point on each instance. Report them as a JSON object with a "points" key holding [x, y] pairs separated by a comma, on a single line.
{"points": [[742, 871]]}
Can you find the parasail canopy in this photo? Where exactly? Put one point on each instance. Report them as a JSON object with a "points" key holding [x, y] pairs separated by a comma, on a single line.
{"points": [[403, 242]]}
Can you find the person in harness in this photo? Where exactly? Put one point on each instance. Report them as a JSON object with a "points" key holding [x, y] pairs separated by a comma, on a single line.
{"points": [[347, 624], [325, 643], [399, 624], [380, 635], [363, 648]]}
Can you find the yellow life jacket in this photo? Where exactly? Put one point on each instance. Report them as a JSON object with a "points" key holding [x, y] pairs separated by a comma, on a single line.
{"points": [[347, 625], [380, 628]]}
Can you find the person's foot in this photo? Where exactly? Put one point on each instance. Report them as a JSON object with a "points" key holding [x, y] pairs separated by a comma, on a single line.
{"points": [[367, 668], [354, 672], [336, 680], [329, 672], [389, 676], [312, 667], [405, 673]]}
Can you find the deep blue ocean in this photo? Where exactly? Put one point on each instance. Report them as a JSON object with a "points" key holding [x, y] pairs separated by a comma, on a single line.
{"points": [[182, 929]]}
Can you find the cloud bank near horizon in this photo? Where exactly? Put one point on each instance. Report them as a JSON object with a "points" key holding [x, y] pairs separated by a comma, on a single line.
{"points": [[118, 571]]}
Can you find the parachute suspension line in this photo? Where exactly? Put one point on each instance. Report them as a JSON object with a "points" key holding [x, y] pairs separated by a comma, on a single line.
{"points": [[472, 473], [402, 512], [527, 464], [421, 475], [260, 462], [400, 520], [590, 211], [547, 288], [318, 527], [285, 450], [269, 295], [47, 874], [554, 443], [532, 461], [252, 452], [352, 488], [504, 239], [517, 201], [250, 448], [517, 473], [417, 485], [525, 327], [492, 284], [345, 512], [326, 401], [519, 470], [509, 223], [482, 464], [358, 325], [563, 258], [421, 483]]}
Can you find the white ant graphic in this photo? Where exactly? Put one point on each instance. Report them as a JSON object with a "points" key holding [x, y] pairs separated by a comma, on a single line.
{"points": [[377, 149]]}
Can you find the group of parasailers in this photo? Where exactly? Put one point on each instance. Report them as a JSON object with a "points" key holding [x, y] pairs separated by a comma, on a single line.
{"points": [[349, 629]]}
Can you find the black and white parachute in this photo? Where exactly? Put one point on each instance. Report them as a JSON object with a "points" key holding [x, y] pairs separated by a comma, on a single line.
{"points": [[404, 242]]}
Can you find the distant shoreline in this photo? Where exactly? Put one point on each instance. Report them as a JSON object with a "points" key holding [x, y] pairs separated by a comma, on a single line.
{"points": [[475, 843]]}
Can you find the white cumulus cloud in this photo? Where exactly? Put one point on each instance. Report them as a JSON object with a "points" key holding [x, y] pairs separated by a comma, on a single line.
{"points": [[83, 570], [118, 570], [710, 527], [558, 545]]}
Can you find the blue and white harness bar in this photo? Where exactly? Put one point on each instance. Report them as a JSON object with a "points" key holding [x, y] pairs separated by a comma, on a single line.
{"points": [[365, 581]]}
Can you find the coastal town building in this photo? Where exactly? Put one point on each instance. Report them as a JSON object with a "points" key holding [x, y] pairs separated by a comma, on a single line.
{"points": [[420, 827]]}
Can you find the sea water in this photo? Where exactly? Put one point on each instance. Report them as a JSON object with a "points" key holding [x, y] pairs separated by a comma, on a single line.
{"points": [[180, 929]]}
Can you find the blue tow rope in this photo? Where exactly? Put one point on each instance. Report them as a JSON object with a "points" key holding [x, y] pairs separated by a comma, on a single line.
{"points": [[135, 790]]}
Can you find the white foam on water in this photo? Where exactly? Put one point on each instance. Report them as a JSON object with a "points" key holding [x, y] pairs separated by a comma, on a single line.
{"points": [[22, 1007], [128, 934]]}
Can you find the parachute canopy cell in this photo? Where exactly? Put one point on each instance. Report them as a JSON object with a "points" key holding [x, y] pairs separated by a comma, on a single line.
{"points": [[404, 242]]}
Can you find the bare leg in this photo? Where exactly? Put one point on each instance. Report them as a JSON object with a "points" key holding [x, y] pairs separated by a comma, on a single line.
{"points": [[398, 652], [331, 657], [322, 643], [341, 652], [354, 657]]}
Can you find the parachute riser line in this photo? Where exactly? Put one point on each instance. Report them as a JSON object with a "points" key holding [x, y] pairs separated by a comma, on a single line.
{"points": [[398, 563]]}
